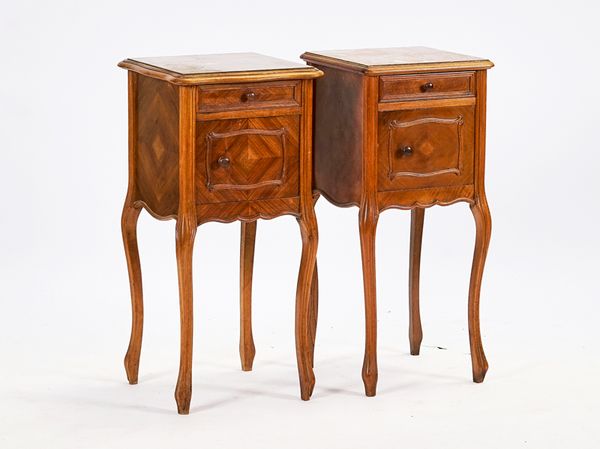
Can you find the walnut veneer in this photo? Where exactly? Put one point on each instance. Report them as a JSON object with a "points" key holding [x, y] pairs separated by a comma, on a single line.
{"points": [[403, 128], [221, 138]]}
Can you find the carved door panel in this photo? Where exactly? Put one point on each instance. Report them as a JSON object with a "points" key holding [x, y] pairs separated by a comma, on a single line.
{"points": [[426, 148], [247, 159]]}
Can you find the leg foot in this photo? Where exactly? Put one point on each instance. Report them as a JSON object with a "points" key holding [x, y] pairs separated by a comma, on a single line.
{"points": [[185, 234], [415, 331], [304, 329], [128, 227], [483, 224], [247, 349], [367, 227]]}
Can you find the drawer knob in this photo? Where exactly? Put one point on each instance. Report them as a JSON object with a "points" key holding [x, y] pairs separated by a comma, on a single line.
{"points": [[427, 87], [249, 96], [406, 151], [224, 161]]}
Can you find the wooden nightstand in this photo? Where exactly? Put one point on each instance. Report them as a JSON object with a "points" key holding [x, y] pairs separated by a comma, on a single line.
{"points": [[403, 128], [220, 138]]}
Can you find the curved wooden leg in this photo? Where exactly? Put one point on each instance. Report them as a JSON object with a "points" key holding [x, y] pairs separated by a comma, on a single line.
{"points": [[304, 348], [185, 234], [313, 314], [415, 332], [247, 349], [129, 220], [314, 304], [367, 228], [483, 223]]}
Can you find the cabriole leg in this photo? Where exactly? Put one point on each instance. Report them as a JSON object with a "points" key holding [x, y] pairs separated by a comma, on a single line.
{"points": [[185, 234], [483, 224], [247, 349], [415, 332], [304, 328], [129, 220], [367, 228]]}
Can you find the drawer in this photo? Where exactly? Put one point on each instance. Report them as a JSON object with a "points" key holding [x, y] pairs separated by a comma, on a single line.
{"points": [[229, 97], [428, 85], [247, 159], [426, 148]]}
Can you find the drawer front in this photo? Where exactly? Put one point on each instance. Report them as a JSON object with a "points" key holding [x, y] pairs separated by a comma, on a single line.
{"points": [[426, 148], [432, 85], [247, 159], [229, 97]]}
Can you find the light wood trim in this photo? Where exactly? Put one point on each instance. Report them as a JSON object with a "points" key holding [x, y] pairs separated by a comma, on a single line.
{"points": [[326, 61], [307, 72]]}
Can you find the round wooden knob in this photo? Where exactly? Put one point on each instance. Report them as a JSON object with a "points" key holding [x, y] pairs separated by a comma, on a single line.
{"points": [[224, 161], [249, 96], [427, 86]]}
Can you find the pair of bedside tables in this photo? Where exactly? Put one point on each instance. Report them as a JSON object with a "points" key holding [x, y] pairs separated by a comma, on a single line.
{"points": [[233, 137]]}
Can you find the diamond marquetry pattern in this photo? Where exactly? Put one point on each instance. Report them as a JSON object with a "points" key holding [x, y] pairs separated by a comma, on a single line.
{"points": [[255, 158], [247, 159], [441, 142], [157, 156]]}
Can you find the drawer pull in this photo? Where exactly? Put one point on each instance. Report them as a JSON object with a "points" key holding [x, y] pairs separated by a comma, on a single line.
{"points": [[248, 96], [427, 87], [224, 161], [406, 151]]}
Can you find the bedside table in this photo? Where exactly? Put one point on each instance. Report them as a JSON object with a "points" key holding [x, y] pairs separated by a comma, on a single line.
{"points": [[220, 138], [403, 128]]}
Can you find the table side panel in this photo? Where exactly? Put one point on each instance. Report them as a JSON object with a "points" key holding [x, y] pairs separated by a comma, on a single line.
{"points": [[157, 149], [338, 136]]}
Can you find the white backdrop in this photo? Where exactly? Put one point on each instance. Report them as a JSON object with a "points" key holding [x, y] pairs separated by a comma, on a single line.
{"points": [[64, 296]]}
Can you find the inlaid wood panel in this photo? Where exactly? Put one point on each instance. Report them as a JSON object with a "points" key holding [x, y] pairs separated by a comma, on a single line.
{"points": [[157, 150], [425, 148], [247, 159]]}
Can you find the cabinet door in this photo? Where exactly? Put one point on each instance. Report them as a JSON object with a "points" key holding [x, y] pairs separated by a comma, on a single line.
{"points": [[247, 159], [423, 148]]}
